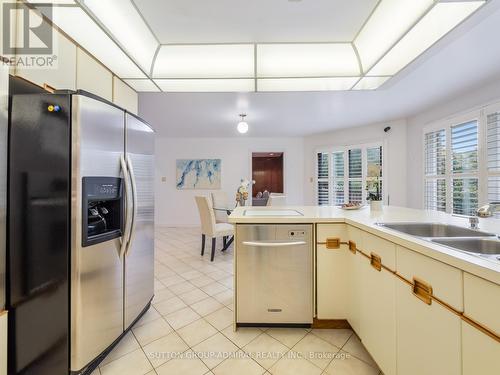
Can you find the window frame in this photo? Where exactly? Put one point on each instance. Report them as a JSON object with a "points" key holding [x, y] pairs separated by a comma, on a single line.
{"points": [[492, 108], [345, 149], [478, 115]]}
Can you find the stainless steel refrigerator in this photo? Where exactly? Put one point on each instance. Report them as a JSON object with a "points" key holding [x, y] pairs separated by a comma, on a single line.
{"points": [[81, 230], [4, 95]]}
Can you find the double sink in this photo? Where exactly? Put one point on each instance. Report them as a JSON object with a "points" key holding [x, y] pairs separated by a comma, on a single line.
{"points": [[472, 241]]}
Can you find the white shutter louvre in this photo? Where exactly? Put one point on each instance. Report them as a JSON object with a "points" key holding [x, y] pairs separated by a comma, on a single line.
{"points": [[338, 177], [493, 142], [464, 148], [493, 147], [323, 187], [435, 153], [435, 194], [464, 140]]}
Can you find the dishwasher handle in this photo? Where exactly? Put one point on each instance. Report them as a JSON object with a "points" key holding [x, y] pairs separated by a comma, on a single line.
{"points": [[273, 244]]}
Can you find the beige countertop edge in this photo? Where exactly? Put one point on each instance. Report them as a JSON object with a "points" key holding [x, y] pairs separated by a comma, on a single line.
{"points": [[472, 264]]}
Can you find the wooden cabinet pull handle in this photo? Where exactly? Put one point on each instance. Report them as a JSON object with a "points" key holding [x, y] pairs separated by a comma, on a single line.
{"points": [[352, 247], [333, 243], [422, 290], [376, 261]]}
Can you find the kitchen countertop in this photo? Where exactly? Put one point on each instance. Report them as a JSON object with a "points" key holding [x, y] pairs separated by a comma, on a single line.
{"points": [[366, 220]]}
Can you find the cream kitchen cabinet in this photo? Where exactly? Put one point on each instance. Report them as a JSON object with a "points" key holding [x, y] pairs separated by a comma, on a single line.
{"points": [[93, 77], [62, 75], [124, 96], [332, 272], [480, 352], [355, 266], [378, 302], [428, 333], [3, 343]]}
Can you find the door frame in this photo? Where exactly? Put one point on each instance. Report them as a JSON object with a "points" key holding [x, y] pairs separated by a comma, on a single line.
{"points": [[266, 149]]}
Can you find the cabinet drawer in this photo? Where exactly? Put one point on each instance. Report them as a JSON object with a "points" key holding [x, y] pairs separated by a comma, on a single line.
{"points": [[446, 281], [482, 302], [326, 231], [383, 248]]}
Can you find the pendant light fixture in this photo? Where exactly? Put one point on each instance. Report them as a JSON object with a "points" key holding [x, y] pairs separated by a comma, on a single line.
{"points": [[242, 125]]}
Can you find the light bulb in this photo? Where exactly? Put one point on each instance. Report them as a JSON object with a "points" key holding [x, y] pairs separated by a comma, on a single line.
{"points": [[242, 127]]}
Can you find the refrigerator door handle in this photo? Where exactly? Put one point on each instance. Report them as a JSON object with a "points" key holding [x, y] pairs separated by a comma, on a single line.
{"points": [[134, 204], [126, 179]]}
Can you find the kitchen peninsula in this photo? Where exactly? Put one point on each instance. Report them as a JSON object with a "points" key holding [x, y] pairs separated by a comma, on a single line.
{"points": [[406, 296]]}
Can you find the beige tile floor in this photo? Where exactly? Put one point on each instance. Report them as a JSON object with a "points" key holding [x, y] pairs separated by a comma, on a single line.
{"points": [[188, 330]]}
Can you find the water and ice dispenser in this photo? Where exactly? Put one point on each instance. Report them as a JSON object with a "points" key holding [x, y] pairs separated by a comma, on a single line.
{"points": [[102, 209]]}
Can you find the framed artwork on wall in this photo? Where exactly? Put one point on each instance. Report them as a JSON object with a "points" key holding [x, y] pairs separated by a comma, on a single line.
{"points": [[198, 174]]}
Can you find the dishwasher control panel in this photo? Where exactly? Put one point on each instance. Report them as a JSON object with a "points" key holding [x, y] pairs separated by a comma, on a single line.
{"points": [[297, 234]]}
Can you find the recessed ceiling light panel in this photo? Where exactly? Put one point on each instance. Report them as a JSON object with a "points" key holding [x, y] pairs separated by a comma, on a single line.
{"points": [[205, 61], [442, 18], [123, 21], [306, 84], [81, 28], [388, 23], [370, 83], [142, 85], [206, 85], [306, 60]]}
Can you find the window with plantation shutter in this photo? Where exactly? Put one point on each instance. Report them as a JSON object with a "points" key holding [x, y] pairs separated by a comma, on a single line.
{"points": [[464, 153], [493, 155], [323, 187], [435, 170], [343, 175]]}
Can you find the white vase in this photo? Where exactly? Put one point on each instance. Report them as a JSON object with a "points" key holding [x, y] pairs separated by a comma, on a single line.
{"points": [[376, 205]]}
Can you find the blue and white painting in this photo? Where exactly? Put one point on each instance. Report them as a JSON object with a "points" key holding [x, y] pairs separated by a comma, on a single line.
{"points": [[198, 173]]}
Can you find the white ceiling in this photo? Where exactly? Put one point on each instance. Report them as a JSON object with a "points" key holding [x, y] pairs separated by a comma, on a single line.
{"points": [[466, 58], [217, 21]]}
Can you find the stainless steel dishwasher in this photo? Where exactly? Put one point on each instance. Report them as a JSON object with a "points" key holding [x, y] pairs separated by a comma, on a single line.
{"points": [[274, 275]]}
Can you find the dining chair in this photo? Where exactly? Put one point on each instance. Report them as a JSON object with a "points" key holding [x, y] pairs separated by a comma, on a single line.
{"points": [[210, 228], [220, 203]]}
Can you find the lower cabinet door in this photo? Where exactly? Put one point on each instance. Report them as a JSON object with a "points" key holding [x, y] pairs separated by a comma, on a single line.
{"points": [[480, 353], [332, 272], [378, 315], [428, 336], [355, 265], [332, 283]]}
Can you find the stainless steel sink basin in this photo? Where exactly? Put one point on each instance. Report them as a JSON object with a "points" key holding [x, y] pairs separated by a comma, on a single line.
{"points": [[482, 246], [427, 230]]}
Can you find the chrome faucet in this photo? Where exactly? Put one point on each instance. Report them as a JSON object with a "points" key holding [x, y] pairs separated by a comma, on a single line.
{"points": [[489, 209], [473, 220]]}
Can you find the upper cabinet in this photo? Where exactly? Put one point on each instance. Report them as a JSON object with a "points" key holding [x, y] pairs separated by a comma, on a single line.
{"points": [[62, 75], [93, 77], [124, 96]]}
